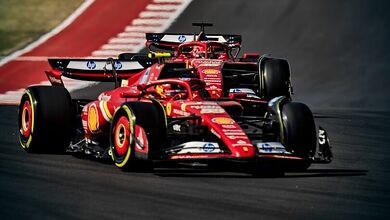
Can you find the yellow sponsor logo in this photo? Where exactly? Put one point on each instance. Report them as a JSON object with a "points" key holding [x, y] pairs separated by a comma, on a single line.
{"points": [[210, 71], [222, 121]]}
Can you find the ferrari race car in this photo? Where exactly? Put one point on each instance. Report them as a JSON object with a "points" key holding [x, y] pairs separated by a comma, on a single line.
{"points": [[190, 99]]}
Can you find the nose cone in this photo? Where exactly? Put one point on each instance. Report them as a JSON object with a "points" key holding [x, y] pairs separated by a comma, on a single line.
{"points": [[224, 127]]}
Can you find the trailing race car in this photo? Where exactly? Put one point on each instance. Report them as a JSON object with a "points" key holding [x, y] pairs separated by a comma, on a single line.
{"points": [[199, 103]]}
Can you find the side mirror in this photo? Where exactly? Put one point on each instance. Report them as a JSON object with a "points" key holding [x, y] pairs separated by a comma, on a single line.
{"points": [[131, 94]]}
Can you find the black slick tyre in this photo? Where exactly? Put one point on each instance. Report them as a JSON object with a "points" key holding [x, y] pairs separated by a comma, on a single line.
{"points": [[299, 132], [276, 78], [45, 119]]}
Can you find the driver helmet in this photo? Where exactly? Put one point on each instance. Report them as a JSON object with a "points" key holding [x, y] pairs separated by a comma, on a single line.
{"points": [[198, 52]]}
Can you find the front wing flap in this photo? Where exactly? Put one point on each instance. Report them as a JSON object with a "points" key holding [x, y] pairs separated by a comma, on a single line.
{"points": [[324, 152]]}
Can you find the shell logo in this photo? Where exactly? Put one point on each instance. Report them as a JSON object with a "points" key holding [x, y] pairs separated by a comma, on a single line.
{"points": [[93, 120], [223, 121], [210, 71]]}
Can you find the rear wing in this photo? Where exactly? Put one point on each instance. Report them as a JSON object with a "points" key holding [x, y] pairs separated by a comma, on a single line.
{"points": [[94, 69], [167, 41]]}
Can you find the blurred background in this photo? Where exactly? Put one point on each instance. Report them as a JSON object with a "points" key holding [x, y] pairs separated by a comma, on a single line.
{"points": [[338, 50]]}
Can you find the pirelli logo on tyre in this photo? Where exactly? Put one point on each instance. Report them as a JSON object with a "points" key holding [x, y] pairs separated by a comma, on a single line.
{"points": [[222, 121]]}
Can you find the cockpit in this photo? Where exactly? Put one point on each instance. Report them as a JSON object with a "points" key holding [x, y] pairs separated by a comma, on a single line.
{"points": [[177, 89], [207, 50]]}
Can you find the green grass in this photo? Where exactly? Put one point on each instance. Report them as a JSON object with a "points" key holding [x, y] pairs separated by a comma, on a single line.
{"points": [[23, 21]]}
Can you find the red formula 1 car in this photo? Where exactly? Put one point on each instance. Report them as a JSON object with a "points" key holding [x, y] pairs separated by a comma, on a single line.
{"points": [[198, 102]]}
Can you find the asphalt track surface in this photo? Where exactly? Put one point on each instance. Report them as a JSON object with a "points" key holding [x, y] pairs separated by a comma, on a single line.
{"points": [[338, 51]]}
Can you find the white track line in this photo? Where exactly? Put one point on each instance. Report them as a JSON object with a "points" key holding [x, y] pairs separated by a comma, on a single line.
{"points": [[158, 7], [124, 40], [139, 29], [117, 47], [167, 1], [156, 17], [146, 22], [153, 14], [132, 34], [109, 53], [44, 58]]}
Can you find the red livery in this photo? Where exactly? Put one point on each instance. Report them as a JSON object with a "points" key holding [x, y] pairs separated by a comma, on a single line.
{"points": [[190, 99]]}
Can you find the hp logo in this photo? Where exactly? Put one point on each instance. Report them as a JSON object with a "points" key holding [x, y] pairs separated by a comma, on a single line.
{"points": [[91, 65], [182, 38], [118, 65], [209, 147]]}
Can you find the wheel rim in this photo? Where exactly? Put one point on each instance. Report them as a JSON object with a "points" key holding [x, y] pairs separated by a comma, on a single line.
{"points": [[26, 119], [122, 136]]}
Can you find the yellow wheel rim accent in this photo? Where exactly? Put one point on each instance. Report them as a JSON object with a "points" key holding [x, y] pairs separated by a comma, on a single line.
{"points": [[27, 144], [25, 123], [120, 135], [131, 128]]}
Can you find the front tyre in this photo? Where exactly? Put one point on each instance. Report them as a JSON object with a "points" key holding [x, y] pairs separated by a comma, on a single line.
{"points": [[299, 132], [122, 137], [137, 134]]}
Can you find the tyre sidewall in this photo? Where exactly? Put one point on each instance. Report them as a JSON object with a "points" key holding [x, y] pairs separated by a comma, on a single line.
{"points": [[53, 119], [299, 129], [276, 78]]}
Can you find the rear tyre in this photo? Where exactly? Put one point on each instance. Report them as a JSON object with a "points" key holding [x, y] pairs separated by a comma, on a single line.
{"points": [[136, 125], [276, 78], [45, 119], [299, 132]]}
